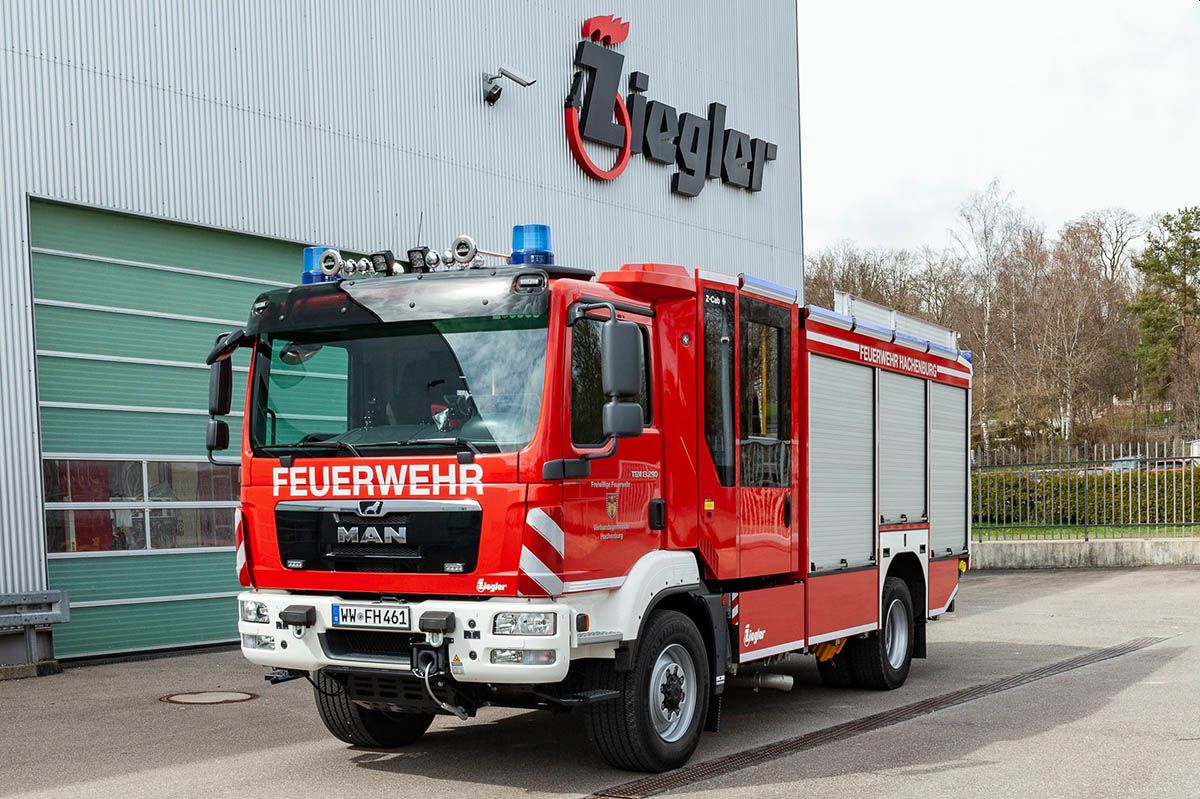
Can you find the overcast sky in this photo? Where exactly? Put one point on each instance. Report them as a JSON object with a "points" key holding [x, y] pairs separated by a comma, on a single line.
{"points": [[907, 108]]}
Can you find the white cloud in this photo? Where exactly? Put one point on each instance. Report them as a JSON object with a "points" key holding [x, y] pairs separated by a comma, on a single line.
{"points": [[906, 108]]}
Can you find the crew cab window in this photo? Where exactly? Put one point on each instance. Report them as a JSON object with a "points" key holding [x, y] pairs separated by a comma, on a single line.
{"points": [[765, 390], [587, 393]]}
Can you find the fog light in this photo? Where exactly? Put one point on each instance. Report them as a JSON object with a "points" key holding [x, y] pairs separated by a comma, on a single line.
{"points": [[525, 657], [508, 655], [258, 641], [254, 612], [512, 623]]}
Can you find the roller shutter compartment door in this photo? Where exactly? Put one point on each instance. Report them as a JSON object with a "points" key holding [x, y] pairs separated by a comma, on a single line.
{"points": [[841, 475], [901, 448], [948, 492]]}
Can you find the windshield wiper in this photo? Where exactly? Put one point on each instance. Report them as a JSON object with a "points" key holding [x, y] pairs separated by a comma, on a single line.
{"points": [[458, 443], [300, 446]]}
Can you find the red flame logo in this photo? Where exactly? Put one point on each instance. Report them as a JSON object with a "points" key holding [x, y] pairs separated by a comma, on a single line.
{"points": [[607, 30]]}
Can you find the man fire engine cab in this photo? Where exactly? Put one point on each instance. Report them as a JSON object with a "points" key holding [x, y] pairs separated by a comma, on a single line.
{"points": [[521, 485]]}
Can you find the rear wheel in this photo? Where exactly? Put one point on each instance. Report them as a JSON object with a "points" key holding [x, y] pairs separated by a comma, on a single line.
{"points": [[656, 722], [359, 726], [882, 659]]}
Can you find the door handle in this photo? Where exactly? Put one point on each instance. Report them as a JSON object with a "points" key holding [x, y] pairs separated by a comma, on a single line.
{"points": [[787, 510], [658, 514]]}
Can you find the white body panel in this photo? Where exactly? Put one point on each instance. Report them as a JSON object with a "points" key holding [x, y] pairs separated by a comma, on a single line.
{"points": [[615, 615]]}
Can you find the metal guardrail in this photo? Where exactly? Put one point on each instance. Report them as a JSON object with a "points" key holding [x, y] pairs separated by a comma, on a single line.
{"points": [[30, 610], [1143, 490]]}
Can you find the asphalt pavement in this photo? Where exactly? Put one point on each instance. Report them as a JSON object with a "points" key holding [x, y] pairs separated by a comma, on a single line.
{"points": [[1125, 726]]}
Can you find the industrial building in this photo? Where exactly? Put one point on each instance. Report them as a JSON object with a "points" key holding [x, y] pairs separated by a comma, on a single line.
{"points": [[163, 164]]}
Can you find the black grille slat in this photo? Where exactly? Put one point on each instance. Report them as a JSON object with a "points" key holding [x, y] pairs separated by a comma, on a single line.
{"points": [[435, 542]]}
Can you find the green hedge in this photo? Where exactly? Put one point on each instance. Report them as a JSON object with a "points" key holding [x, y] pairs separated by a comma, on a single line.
{"points": [[1068, 498]]}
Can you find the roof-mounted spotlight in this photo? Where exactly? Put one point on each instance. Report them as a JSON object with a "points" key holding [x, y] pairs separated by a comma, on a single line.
{"points": [[491, 83]]}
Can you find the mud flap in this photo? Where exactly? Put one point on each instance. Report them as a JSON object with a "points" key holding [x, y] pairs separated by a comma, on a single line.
{"points": [[712, 722], [919, 640]]}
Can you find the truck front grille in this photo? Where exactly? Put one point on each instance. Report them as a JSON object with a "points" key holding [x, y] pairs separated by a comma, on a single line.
{"points": [[427, 541]]}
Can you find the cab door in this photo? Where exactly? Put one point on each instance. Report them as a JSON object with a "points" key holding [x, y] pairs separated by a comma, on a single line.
{"points": [[608, 513], [766, 517]]}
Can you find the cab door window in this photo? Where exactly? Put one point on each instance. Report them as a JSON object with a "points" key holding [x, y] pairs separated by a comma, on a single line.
{"points": [[587, 391]]}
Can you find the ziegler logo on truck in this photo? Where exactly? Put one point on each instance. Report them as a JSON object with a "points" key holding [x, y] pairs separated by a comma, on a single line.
{"points": [[392, 480], [753, 636]]}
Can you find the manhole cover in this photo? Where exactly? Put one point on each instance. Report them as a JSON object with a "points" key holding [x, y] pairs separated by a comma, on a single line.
{"points": [[208, 697]]}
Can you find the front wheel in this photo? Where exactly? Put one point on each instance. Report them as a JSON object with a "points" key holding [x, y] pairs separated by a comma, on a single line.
{"points": [[656, 722], [360, 726], [882, 659]]}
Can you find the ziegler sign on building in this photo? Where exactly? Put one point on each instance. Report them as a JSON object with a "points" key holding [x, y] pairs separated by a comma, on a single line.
{"points": [[701, 146]]}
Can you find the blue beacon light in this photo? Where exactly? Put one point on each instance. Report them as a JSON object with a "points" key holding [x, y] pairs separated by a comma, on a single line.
{"points": [[312, 267], [531, 245]]}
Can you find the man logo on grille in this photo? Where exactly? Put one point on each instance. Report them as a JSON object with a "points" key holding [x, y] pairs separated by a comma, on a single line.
{"points": [[370, 507]]}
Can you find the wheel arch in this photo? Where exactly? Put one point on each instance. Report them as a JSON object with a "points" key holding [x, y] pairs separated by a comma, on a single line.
{"points": [[907, 566]]}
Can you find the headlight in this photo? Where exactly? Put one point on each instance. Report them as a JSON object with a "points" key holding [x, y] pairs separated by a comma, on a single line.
{"points": [[254, 611], [509, 623], [525, 657], [258, 641]]}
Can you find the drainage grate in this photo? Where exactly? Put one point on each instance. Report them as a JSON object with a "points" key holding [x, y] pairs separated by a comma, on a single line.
{"points": [[649, 786], [208, 698]]}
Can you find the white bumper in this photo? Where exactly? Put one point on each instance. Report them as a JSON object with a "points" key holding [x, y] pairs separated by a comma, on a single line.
{"points": [[470, 658], [615, 609]]}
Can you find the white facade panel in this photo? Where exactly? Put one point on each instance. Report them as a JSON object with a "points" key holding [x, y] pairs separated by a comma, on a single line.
{"points": [[948, 480], [901, 448], [353, 124], [841, 465]]}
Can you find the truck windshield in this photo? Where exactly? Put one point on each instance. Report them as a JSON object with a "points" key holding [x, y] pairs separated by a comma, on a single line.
{"points": [[470, 383]]}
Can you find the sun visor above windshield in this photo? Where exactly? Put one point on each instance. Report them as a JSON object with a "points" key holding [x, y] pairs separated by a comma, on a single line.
{"points": [[408, 298]]}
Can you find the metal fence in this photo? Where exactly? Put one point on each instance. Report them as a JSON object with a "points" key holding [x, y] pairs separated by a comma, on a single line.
{"points": [[1142, 490]]}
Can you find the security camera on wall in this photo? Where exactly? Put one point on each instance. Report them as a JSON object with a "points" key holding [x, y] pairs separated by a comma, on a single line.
{"points": [[491, 83]]}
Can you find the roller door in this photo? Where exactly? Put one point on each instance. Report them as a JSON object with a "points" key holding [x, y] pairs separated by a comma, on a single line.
{"points": [[901, 448], [948, 489], [841, 479], [139, 525]]}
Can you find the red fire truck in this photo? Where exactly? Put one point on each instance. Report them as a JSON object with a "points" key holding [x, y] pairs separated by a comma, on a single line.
{"points": [[528, 486]]}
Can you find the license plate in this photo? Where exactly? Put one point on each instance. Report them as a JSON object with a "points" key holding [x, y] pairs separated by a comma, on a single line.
{"points": [[388, 617]]}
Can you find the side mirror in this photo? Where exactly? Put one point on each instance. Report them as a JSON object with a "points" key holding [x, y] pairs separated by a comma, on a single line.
{"points": [[220, 387], [620, 358], [621, 377], [216, 437], [622, 419]]}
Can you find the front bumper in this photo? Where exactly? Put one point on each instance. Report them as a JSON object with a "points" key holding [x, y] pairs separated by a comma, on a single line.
{"points": [[468, 649]]}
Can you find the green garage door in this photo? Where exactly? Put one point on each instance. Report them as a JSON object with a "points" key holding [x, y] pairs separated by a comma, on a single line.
{"points": [[139, 525]]}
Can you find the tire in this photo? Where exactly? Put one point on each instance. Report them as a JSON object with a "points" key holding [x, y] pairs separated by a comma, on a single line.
{"points": [[837, 672], [634, 731], [881, 660], [358, 726]]}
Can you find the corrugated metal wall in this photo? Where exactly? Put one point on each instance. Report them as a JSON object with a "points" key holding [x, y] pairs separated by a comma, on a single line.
{"points": [[342, 123]]}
